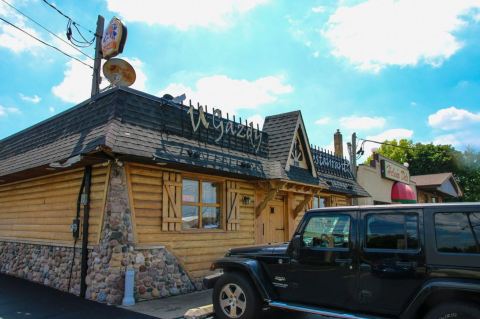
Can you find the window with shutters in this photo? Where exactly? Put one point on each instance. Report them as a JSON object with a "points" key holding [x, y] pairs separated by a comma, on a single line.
{"points": [[201, 204]]}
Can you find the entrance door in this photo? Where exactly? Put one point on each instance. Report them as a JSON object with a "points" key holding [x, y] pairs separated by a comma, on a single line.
{"points": [[276, 221], [271, 223]]}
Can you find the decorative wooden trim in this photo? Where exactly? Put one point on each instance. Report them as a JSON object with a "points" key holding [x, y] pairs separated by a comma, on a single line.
{"points": [[275, 187], [131, 202], [105, 196], [302, 205]]}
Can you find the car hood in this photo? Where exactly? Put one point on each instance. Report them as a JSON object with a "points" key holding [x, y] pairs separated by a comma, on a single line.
{"points": [[263, 250]]}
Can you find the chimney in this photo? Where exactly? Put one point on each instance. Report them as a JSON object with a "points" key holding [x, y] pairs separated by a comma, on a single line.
{"points": [[338, 143]]}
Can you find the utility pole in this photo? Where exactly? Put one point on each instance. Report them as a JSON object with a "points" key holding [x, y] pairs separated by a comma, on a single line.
{"points": [[98, 56], [354, 155]]}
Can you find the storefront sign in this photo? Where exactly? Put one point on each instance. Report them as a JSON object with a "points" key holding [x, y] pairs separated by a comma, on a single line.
{"points": [[114, 38], [224, 127], [329, 163], [395, 172]]}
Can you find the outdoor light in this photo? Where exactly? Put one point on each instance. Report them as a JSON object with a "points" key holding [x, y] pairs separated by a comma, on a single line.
{"points": [[246, 200]]}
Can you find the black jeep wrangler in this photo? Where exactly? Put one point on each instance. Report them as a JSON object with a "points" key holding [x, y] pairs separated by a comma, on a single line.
{"points": [[400, 261]]}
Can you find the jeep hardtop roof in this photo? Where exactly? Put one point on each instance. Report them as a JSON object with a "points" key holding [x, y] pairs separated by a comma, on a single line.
{"points": [[391, 207]]}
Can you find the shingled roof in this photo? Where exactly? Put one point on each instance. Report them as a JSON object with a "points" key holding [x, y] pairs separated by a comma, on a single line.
{"points": [[131, 124]]}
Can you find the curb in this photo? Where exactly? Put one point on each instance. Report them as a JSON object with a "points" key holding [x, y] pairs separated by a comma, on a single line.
{"points": [[199, 313]]}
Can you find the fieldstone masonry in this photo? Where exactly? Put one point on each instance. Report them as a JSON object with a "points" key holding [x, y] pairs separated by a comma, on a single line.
{"points": [[157, 272]]}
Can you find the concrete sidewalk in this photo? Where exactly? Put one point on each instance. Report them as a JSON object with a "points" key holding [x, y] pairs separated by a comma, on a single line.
{"points": [[173, 307]]}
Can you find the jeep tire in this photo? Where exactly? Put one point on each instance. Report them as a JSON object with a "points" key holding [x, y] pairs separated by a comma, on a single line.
{"points": [[454, 311], [235, 297]]}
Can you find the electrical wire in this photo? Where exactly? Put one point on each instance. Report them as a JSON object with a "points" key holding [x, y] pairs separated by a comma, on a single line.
{"points": [[68, 18], [52, 33], [45, 43]]}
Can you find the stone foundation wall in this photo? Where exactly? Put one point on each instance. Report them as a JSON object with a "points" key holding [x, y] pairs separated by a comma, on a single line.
{"points": [[47, 265], [157, 272]]}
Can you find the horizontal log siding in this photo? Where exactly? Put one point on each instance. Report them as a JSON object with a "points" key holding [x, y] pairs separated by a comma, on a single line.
{"points": [[195, 249], [42, 209]]}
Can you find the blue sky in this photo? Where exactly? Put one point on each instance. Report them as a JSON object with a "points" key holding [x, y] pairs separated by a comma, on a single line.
{"points": [[382, 68]]}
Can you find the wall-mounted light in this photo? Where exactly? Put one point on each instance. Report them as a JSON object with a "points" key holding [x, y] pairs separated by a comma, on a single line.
{"points": [[246, 200]]}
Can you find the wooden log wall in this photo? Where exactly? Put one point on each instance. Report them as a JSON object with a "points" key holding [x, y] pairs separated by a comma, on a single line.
{"points": [[195, 249], [42, 209]]}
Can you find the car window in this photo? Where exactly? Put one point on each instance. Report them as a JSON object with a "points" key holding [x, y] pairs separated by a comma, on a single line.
{"points": [[392, 231], [327, 232], [458, 232]]}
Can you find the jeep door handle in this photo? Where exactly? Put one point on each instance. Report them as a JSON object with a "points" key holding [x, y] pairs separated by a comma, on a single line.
{"points": [[346, 261]]}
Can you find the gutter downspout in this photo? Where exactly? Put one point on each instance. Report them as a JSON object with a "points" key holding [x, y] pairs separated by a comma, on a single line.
{"points": [[86, 217]]}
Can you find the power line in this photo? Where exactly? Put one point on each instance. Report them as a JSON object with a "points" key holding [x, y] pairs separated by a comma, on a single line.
{"points": [[52, 33], [385, 143], [68, 18], [45, 43]]}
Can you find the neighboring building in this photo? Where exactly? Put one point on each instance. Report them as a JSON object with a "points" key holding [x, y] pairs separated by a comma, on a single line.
{"points": [[167, 189], [435, 188], [386, 181]]}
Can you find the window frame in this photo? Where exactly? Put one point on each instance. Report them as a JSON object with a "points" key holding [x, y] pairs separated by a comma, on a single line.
{"points": [[389, 250], [320, 197], [435, 242], [199, 204], [333, 214]]}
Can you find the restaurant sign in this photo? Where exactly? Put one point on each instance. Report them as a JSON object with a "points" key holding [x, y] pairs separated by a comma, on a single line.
{"points": [[395, 172], [224, 127], [326, 162], [114, 38]]}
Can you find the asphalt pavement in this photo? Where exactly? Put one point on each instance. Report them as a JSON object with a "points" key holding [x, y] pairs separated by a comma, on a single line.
{"points": [[21, 299]]}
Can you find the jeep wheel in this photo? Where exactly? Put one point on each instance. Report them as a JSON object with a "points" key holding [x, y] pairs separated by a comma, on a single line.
{"points": [[234, 297], [454, 311]]}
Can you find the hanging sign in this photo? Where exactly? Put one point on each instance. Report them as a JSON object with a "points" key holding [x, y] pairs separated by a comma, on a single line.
{"points": [[395, 171], [114, 38]]}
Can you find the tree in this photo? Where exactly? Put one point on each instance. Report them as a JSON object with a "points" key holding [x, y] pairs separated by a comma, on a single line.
{"points": [[432, 159]]}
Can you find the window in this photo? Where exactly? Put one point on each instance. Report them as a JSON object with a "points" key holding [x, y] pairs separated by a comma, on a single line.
{"points": [[201, 204], [327, 232], [392, 231], [319, 202], [458, 232]]}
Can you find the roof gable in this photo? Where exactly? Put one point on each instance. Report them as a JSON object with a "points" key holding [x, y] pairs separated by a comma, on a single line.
{"points": [[288, 141]]}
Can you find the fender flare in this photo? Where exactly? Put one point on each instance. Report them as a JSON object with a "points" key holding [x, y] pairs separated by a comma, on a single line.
{"points": [[253, 269], [434, 286]]}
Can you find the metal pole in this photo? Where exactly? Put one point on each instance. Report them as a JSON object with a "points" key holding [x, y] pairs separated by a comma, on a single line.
{"points": [[98, 56]]}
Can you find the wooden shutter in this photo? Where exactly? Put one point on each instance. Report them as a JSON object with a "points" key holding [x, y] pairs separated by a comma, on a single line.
{"points": [[233, 206], [172, 202]]}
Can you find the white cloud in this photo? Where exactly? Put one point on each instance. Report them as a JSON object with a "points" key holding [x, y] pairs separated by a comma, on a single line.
{"points": [[459, 139], [392, 134], [362, 122], [256, 119], [319, 9], [51, 109], [77, 82], [379, 33], [32, 99], [323, 121], [453, 118], [229, 94], [183, 14], [5, 111], [12, 38]]}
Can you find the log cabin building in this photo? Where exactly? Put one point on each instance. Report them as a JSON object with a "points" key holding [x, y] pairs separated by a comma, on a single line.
{"points": [[129, 179]]}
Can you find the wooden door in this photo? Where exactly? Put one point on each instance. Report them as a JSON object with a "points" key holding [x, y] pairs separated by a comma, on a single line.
{"points": [[276, 221], [271, 224]]}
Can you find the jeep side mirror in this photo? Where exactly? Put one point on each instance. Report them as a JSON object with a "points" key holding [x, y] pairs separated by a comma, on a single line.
{"points": [[297, 244]]}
